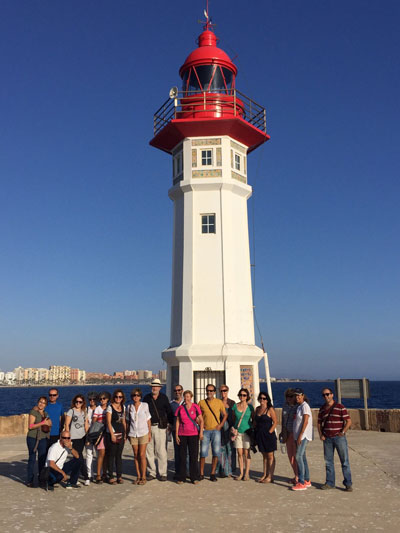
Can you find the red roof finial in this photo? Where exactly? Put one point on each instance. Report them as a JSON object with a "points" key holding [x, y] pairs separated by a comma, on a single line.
{"points": [[207, 23]]}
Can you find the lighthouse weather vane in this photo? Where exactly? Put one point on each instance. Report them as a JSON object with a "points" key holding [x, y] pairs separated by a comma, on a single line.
{"points": [[208, 22]]}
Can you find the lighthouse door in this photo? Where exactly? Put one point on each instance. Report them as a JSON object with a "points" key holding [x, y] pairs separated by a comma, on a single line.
{"points": [[203, 378]]}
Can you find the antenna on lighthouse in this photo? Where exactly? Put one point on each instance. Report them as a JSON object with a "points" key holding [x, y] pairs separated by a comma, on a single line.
{"points": [[208, 25]]}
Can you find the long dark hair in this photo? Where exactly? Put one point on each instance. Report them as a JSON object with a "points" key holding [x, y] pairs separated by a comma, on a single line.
{"points": [[269, 402]]}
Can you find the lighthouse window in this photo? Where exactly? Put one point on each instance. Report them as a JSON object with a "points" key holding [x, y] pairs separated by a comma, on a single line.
{"points": [[206, 157], [208, 223], [237, 162], [209, 78]]}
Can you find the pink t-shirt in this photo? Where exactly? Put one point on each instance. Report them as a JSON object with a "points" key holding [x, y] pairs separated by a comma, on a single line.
{"points": [[186, 426]]}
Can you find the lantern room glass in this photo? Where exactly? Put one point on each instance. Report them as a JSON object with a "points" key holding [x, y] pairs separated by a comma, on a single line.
{"points": [[208, 78]]}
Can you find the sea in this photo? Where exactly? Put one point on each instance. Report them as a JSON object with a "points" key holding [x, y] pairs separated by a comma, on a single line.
{"points": [[18, 400]]}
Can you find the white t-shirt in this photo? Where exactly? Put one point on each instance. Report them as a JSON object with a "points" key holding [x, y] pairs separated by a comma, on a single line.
{"points": [[138, 426], [100, 414], [303, 409], [58, 454]]}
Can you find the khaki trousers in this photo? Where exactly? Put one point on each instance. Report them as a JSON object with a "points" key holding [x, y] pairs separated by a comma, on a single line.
{"points": [[157, 449]]}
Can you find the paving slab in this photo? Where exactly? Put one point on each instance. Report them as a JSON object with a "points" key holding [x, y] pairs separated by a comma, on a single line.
{"points": [[227, 505]]}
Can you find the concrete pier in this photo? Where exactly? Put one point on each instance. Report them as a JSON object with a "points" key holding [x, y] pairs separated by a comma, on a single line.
{"points": [[227, 505]]}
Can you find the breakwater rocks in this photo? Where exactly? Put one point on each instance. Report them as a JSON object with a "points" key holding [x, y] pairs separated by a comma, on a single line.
{"points": [[387, 420]]}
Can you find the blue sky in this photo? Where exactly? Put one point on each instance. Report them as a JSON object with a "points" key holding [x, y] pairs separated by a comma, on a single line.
{"points": [[85, 220]]}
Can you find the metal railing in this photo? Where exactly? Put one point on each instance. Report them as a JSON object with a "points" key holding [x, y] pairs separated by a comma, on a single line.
{"points": [[196, 104]]}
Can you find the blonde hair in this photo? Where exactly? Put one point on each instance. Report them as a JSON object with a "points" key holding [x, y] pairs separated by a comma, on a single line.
{"points": [[188, 392]]}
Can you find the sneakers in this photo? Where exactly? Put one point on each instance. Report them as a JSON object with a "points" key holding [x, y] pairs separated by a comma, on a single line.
{"points": [[213, 477], [348, 488], [307, 484], [87, 482], [73, 485], [326, 487], [299, 486], [163, 478]]}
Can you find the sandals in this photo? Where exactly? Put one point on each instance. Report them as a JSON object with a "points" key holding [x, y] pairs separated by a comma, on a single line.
{"points": [[239, 478], [120, 481], [112, 481], [99, 480], [142, 481]]}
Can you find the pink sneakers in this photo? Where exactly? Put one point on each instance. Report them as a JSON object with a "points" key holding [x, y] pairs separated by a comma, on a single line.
{"points": [[300, 486], [307, 484]]}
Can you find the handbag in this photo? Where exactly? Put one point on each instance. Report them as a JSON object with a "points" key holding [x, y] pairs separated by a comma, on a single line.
{"points": [[235, 431], [95, 432]]}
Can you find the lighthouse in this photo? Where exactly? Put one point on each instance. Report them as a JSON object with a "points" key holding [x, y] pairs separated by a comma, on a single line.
{"points": [[209, 128]]}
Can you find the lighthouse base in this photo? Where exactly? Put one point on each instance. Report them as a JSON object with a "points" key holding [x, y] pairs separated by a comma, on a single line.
{"points": [[194, 367]]}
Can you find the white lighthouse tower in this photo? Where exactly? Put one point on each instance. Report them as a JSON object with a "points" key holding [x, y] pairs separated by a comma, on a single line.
{"points": [[209, 128]]}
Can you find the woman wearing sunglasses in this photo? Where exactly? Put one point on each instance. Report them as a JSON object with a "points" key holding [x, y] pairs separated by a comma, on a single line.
{"points": [[116, 435], [227, 459], [76, 422], [138, 420], [265, 424], [243, 416], [99, 415]]}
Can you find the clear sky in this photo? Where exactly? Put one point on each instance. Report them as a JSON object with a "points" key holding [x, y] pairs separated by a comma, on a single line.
{"points": [[85, 220]]}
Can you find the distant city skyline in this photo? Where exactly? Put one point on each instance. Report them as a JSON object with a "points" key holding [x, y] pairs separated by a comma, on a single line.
{"points": [[85, 274]]}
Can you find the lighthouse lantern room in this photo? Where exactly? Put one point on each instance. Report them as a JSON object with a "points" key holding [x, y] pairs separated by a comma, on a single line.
{"points": [[209, 128]]}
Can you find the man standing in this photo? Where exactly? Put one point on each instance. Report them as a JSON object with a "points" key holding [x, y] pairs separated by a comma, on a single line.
{"points": [[161, 416], [214, 416], [59, 470], [333, 424], [55, 411], [175, 403]]}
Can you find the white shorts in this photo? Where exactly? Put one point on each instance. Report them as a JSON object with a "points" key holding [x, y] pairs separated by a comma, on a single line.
{"points": [[242, 441]]}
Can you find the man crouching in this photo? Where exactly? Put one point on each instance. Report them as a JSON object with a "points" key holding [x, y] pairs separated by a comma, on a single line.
{"points": [[58, 468]]}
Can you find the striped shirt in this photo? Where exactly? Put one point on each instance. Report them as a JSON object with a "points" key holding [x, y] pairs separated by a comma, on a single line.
{"points": [[332, 420]]}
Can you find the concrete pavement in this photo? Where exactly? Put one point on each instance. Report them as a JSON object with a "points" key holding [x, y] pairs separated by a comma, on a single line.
{"points": [[214, 507]]}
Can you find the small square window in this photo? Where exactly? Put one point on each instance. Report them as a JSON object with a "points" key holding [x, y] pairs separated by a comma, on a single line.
{"points": [[208, 223], [237, 162], [206, 157]]}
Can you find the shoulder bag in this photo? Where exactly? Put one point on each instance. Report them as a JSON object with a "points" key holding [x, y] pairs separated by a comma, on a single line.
{"points": [[191, 419], [235, 431]]}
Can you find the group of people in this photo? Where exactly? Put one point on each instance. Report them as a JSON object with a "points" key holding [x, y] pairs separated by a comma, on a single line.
{"points": [[232, 429]]}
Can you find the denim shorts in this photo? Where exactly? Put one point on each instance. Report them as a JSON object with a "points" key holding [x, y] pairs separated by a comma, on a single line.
{"points": [[212, 436]]}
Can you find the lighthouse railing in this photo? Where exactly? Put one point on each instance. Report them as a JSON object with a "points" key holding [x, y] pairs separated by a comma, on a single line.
{"points": [[202, 104]]}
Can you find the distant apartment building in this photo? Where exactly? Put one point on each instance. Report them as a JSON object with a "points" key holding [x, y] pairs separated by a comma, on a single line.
{"points": [[43, 374], [144, 374], [118, 375], [2, 375], [59, 374], [162, 375], [10, 378], [19, 373]]}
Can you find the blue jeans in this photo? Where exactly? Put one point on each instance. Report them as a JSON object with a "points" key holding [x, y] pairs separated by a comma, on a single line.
{"points": [[212, 436], [71, 467], [301, 459], [340, 444], [41, 452]]}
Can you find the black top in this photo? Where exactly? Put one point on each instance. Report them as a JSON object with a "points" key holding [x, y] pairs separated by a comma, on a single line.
{"points": [[163, 408]]}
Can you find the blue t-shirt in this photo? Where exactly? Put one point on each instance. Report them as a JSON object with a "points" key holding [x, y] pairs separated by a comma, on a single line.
{"points": [[55, 410]]}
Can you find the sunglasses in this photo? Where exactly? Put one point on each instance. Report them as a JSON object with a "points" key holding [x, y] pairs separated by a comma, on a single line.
{"points": [[178, 390], [326, 394], [133, 395], [66, 438], [240, 395], [118, 397], [210, 390], [103, 398], [53, 395], [224, 390], [263, 398], [78, 401]]}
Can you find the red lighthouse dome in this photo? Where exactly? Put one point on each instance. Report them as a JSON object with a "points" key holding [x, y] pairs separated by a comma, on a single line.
{"points": [[208, 103]]}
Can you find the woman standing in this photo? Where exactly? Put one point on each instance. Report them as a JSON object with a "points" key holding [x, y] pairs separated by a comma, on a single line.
{"points": [[286, 436], [93, 399], [265, 424], [116, 435], [38, 433], [138, 420], [189, 429], [243, 420], [100, 416], [76, 422], [302, 433], [227, 459]]}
